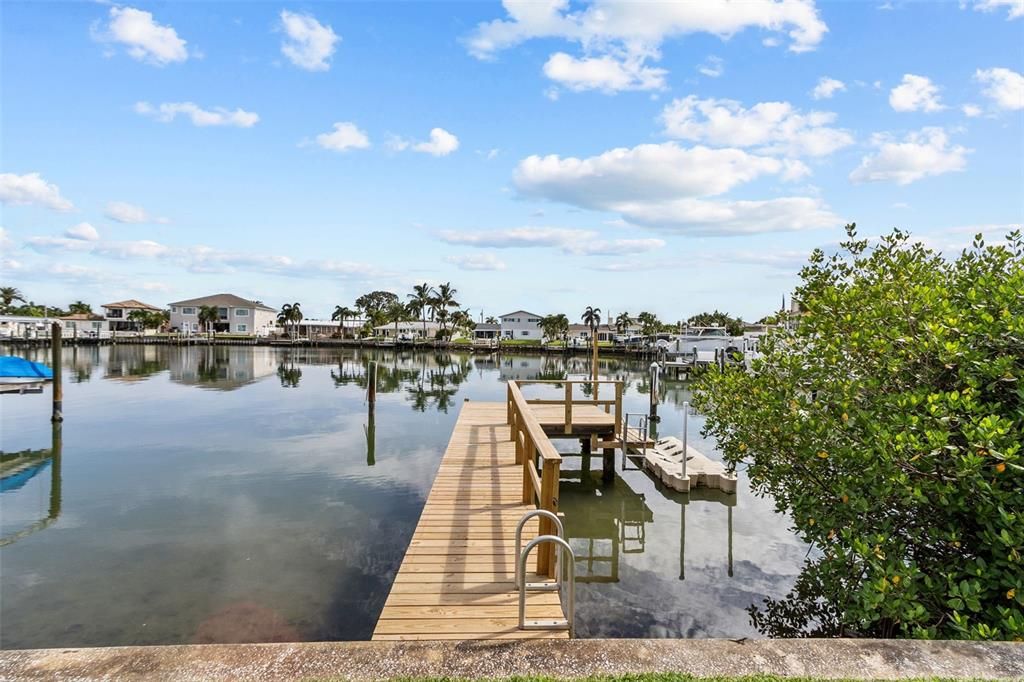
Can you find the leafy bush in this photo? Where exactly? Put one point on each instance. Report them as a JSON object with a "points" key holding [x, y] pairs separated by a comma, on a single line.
{"points": [[888, 423]]}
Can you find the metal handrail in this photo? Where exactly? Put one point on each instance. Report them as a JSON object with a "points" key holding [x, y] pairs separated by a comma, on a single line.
{"points": [[519, 537], [570, 612]]}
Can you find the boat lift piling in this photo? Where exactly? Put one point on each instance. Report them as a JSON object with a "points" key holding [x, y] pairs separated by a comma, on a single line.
{"points": [[655, 372]]}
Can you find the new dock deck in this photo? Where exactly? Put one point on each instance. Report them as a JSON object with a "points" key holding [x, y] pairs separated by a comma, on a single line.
{"points": [[457, 578]]}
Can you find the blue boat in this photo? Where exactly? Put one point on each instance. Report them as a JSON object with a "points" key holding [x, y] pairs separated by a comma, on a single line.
{"points": [[18, 375]]}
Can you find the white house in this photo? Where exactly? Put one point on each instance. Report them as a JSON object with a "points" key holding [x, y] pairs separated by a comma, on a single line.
{"points": [[521, 325], [236, 315], [117, 314], [409, 329], [84, 325]]}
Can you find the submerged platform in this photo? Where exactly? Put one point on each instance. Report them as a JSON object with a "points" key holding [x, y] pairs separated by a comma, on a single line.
{"points": [[457, 578]]}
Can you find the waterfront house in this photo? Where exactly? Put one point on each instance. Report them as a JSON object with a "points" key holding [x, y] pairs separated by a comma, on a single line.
{"points": [[521, 325], [310, 328], [236, 315], [88, 325], [486, 333], [580, 333], [117, 314], [409, 330]]}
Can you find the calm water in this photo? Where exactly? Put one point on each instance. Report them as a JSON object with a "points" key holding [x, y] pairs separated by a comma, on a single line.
{"points": [[234, 494]]}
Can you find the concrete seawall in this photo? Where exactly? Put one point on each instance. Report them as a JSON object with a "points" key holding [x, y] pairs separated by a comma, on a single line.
{"points": [[852, 659]]}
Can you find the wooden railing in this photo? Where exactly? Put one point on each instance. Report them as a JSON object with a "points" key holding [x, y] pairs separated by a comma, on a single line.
{"points": [[569, 400], [533, 448]]}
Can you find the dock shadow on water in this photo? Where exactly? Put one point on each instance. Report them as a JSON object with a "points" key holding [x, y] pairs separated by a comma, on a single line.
{"points": [[236, 494]]}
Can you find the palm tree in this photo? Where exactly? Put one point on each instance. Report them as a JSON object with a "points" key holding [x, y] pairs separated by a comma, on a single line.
{"points": [[443, 300], [491, 319], [622, 322], [208, 316], [80, 307], [420, 302], [291, 314], [342, 313], [9, 295], [592, 318], [462, 320], [396, 312], [555, 326]]}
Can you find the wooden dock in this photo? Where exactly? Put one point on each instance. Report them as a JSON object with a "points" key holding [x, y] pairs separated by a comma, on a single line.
{"points": [[457, 578]]}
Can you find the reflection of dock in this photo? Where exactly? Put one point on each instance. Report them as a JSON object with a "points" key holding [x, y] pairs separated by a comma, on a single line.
{"points": [[17, 468], [617, 525]]}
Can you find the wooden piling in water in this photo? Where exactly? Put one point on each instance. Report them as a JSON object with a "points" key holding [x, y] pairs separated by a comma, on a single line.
{"points": [[55, 364]]}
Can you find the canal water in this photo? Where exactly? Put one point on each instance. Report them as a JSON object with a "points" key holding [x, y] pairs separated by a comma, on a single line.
{"points": [[236, 494]]}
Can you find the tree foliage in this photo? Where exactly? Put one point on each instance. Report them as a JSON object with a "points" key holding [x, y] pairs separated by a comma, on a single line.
{"points": [[733, 325], [888, 423]]}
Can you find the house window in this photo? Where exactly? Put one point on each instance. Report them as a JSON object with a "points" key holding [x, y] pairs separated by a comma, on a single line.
{"points": [[115, 312], [95, 325], [222, 313], [242, 328], [241, 312], [188, 311], [526, 333], [174, 308]]}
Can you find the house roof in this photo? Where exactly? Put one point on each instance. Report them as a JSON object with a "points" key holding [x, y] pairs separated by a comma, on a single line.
{"points": [[88, 317], [224, 300], [131, 303], [524, 312], [487, 327]]}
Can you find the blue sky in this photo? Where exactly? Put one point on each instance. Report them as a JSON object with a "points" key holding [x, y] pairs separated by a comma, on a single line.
{"points": [[547, 155]]}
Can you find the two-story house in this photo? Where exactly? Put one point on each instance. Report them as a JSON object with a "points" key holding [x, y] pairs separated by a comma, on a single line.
{"points": [[235, 315], [521, 325], [118, 314]]}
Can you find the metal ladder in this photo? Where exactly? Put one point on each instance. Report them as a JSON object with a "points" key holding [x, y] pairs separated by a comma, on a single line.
{"points": [[643, 429], [569, 622]]}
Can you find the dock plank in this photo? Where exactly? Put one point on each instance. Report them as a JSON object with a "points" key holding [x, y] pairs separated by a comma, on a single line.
{"points": [[456, 580]]}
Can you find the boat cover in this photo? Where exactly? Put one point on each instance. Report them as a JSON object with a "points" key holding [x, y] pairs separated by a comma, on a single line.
{"points": [[20, 368]]}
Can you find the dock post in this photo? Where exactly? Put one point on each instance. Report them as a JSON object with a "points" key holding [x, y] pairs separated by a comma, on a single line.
{"points": [[654, 368], [55, 363], [608, 469], [686, 424], [371, 383], [585, 444]]}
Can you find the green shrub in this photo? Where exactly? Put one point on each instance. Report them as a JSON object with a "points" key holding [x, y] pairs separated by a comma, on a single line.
{"points": [[888, 423]]}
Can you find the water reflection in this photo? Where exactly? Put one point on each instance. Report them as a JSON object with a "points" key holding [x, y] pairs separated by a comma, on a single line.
{"points": [[18, 469], [208, 501]]}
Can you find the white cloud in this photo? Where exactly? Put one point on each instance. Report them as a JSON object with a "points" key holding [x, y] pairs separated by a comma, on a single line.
{"points": [[618, 38], [971, 110], [5, 239], [827, 87], [774, 127], [218, 116], [615, 247], [644, 172], [1002, 86], [662, 187], [344, 137], [919, 155], [697, 217], [309, 44], [58, 244], [31, 189], [143, 248], [442, 143], [606, 22], [123, 212], [83, 231], [1015, 7], [517, 237], [915, 93], [570, 241], [605, 73], [477, 261], [145, 39], [713, 67]]}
